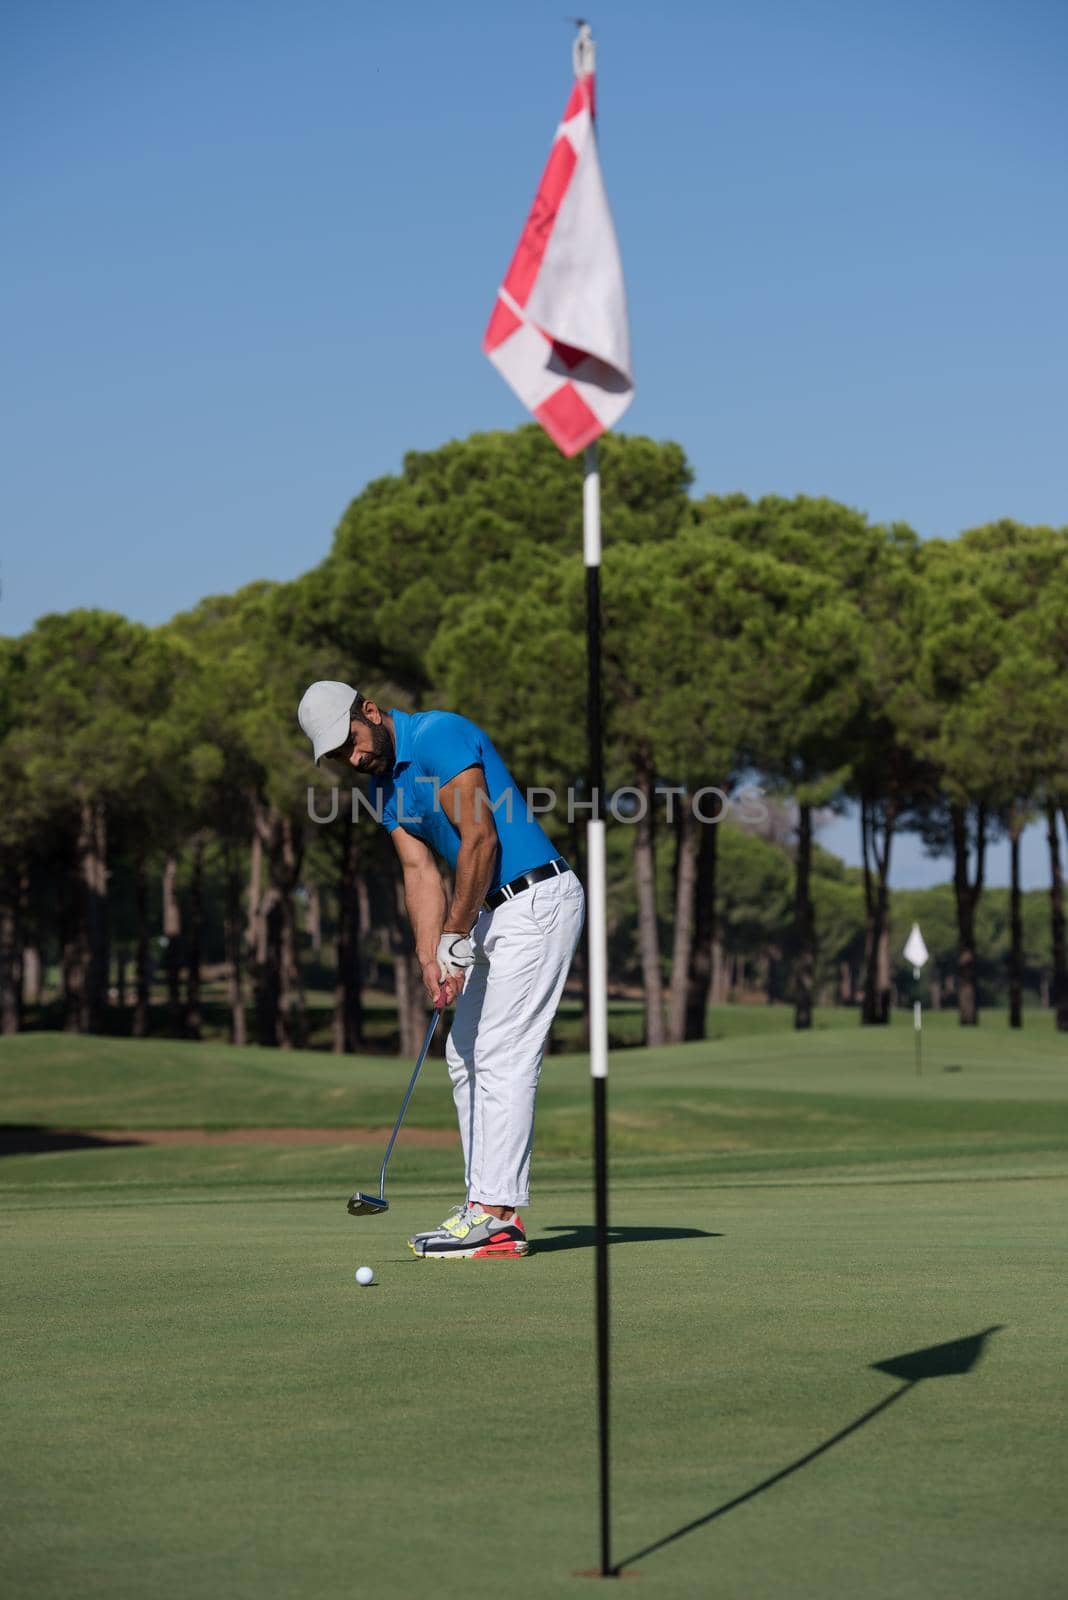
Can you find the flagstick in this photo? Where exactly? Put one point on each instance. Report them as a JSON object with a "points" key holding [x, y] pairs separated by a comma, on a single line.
{"points": [[598, 967], [916, 954]]}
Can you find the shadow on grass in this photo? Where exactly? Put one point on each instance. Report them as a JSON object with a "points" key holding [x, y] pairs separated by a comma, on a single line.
{"points": [[27, 1139], [954, 1359], [583, 1236]]}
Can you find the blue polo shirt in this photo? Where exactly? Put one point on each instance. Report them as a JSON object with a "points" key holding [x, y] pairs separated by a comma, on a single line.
{"points": [[432, 747]]}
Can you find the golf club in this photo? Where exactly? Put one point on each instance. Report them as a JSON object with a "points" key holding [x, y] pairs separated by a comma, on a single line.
{"points": [[369, 1205]]}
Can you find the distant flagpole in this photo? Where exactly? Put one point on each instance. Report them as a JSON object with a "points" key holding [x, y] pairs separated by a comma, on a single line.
{"points": [[559, 335], [916, 953]]}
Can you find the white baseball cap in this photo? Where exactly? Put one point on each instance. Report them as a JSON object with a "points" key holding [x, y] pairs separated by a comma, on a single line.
{"points": [[324, 715]]}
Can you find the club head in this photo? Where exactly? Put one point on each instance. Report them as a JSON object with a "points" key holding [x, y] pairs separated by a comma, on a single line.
{"points": [[366, 1205]]}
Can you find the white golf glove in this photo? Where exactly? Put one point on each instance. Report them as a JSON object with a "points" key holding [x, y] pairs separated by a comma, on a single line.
{"points": [[455, 954]]}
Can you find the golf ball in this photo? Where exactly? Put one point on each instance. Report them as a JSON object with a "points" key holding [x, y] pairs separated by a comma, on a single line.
{"points": [[365, 1275]]}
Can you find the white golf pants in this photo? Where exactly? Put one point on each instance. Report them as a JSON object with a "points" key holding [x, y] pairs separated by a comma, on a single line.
{"points": [[523, 952]]}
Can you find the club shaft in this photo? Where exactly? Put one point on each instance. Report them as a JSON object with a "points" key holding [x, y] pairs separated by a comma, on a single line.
{"points": [[431, 1025]]}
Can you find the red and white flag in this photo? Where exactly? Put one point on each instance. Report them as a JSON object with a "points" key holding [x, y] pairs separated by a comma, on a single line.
{"points": [[558, 333]]}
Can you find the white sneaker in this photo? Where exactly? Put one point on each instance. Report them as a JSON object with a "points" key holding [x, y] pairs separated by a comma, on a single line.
{"points": [[444, 1227], [475, 1233]]}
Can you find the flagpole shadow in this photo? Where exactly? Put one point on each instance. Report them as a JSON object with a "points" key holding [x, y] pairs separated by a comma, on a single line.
{"points": [[953, 1359], [583, 1236], [33, 1139]]}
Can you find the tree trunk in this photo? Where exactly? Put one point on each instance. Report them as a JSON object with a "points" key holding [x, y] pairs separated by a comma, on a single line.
{"points": [[90, 911], [143, 977], [869, 899], [287, 865], [875, 1007], [1059, 988], [193, 1017], [886, 997], [122, 953], [10, 953], [365, 924], [1015, 924], [804, 923], [314, 919], [234, 942], [74, 964], [407, 974], [720, 976], [348, 994], [255, 878], [648, 921], [265, 927], [772, 956], [31, 975], [85, 958], [74, 943], [269, 970], [686, 845], [279, 989], [255, 925], [99, 930], [704, 932], [172, 933], [967, 897]]}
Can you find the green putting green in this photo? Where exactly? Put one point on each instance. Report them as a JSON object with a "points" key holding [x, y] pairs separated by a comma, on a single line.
{"points": [[200, 1401]]}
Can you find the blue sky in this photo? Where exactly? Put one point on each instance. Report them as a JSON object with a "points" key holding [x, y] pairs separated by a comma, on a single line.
{"points": [[250, 250]]}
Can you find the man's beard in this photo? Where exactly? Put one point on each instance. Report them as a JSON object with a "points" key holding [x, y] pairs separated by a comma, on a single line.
{"points": [[383, 750]]}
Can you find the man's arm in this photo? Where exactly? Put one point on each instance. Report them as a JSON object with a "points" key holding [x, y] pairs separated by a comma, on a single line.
{"points": [[465, 801], [424, 897]]}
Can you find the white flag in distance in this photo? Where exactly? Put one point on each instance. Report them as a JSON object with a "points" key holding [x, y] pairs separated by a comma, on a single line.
{"points": [[915, 951], [558, 334]]}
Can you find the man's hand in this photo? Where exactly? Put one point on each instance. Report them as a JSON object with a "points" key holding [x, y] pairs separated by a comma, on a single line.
{"points": [[455, 955], [437, 989], [443, 978], [440, 991]]}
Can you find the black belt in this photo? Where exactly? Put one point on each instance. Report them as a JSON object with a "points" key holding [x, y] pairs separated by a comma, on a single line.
{"points": [[526, 880]]}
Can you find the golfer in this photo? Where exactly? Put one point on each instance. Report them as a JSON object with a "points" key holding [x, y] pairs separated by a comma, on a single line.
{"points": [[500, 948]]}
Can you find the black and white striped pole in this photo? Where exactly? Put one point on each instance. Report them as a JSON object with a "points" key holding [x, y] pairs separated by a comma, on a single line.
{"points": [[597, 947], [558, 334]]}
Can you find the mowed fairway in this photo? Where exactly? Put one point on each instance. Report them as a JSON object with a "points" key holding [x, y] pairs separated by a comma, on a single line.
{"points": [[199, 1401]]}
